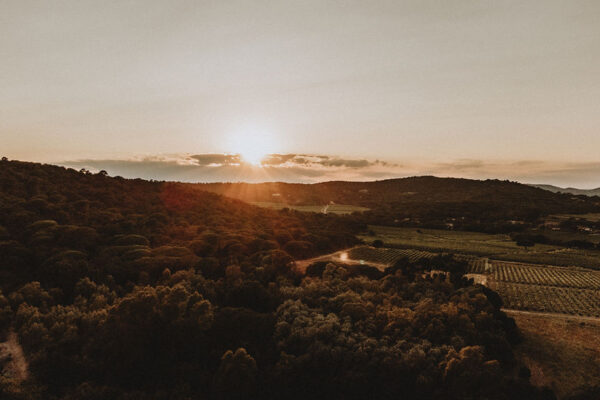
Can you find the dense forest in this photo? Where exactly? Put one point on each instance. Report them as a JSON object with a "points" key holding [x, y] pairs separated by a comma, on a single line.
{"points": [[131, 289], [488, 206]]}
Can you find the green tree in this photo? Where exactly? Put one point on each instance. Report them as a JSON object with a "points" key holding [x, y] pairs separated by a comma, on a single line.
{"points": [[236, 376]]}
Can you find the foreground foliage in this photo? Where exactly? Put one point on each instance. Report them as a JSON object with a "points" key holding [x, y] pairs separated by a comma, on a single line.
{"points": [[127, 289]]}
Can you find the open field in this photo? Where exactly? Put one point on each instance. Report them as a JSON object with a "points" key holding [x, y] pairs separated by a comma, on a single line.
{"points": [[447, 240], [594, 217], [497, 246], [562, 352], [567, 236], [326, 208]]}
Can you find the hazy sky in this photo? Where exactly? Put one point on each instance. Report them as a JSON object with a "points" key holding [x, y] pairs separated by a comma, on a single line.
{"points": [[403, 81]]}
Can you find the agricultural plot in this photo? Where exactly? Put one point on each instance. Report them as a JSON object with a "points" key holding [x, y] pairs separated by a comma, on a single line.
{"points": [[562, 257], [326, 208], [386, 255], [548, 276], [342, 209], [522, 286], [476, 265], [498, 246], [389, 256], [551, 299], [449, 241], [547, 289], [593, 217]]}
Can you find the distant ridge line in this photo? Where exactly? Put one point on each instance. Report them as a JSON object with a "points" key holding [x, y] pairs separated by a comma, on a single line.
{"points": [[575, 191]]}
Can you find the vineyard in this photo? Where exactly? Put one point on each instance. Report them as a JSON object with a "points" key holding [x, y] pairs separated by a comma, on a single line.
{"points": [[495, 246], [522, 286], [552, 299], [546, 275], [387, 256]]}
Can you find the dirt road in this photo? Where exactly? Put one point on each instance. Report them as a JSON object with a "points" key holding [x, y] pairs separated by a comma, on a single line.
{"points": [[340, 257]]}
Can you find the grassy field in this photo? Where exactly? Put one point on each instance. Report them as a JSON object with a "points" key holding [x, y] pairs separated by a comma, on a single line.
{"points": [[566, 236], [594, 217], [327, 208], [561, 352], [497, 246], [447, 240]]}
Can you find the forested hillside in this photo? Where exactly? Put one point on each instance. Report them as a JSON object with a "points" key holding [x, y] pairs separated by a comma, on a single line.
{"points": [[129, 289], [488, 206]]}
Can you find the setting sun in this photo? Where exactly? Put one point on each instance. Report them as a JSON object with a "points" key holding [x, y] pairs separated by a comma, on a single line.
{"points": [[253, 156], [299, 200], [252, 144]]}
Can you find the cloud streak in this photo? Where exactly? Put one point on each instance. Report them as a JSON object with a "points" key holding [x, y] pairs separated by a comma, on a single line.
{"points": [[317, 168]]}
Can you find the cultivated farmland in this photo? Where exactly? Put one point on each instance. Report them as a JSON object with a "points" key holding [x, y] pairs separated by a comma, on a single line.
{"points": [[552, 299], [386, 255], [324, 208], [495, 246], [522, 286], [545, 275]]}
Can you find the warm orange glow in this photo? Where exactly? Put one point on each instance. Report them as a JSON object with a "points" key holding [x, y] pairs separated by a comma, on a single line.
{"points": [[252, 144], [253, 155]]}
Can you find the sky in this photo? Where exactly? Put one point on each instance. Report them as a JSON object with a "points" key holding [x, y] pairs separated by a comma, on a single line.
{"points": [[479, 89]]}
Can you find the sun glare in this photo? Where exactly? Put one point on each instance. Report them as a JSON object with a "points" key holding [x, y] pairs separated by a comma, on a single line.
{"points": [[253, 155], [253, 145]]}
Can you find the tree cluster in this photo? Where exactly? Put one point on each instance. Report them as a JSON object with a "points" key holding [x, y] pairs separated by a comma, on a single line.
{"points": [[128, 289]]}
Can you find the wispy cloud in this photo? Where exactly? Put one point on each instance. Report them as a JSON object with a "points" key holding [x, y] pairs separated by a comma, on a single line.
{"points": [[315, 168], [232, 168], [216, 159]]}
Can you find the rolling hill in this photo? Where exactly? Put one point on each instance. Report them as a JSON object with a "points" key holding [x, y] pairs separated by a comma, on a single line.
{"points": [[117, 288], [428, 189], [575, 191], [489, 206]]}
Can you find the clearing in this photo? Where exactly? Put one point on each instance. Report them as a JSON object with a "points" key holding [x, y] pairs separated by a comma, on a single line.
{"points": [[497, 246], [562, 352], [323, 208]]}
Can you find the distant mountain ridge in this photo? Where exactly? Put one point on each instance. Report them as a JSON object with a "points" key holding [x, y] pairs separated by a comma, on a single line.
{"points": [[424, 189], [575, 191], [492, 206]]}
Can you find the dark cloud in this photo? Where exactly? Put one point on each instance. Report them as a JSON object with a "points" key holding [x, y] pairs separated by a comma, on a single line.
{"points": [[230, 167], [347, 163], [301, 161], [313, 168], [462, 165], [216, 159], [320, 160], [278, 159]]}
